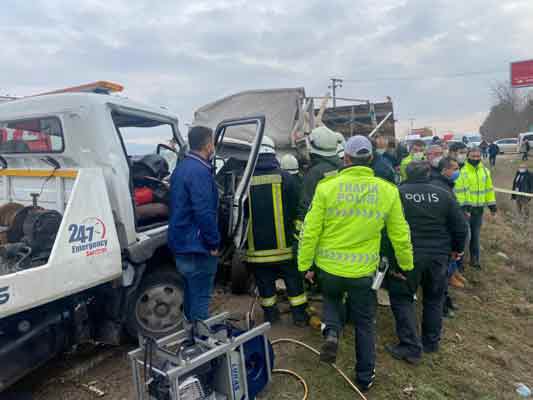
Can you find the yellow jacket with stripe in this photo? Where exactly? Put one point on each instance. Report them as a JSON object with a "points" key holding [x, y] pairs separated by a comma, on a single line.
{"points": [[342, 230], [474, 187], [272, 203], [403, 167]]}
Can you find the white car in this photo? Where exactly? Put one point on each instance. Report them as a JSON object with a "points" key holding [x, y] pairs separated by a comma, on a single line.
{"points": [[507, 145]]}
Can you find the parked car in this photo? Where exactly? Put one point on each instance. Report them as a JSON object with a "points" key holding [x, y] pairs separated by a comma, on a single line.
{"points": [[470, 139], [507, 145]]}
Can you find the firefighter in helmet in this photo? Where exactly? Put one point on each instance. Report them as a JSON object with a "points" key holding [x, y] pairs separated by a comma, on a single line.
{"points": [[272, 206]]}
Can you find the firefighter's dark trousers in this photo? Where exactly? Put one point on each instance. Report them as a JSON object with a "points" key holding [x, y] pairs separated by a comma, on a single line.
{"points": [[363, 305], [431, 273], [266, 275]]}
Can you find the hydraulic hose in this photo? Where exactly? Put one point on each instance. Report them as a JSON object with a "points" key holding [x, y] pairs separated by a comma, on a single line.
{"points": [[300, 379], [250, 321], [316, 352]]}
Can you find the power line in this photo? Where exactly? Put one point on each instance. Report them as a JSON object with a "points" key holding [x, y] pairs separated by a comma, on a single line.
{"points": [[425, 78]]}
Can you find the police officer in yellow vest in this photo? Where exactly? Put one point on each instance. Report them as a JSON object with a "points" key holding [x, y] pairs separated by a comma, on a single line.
{"points": [[474, 192], [416, 153], [341, 235], [272, 206]]}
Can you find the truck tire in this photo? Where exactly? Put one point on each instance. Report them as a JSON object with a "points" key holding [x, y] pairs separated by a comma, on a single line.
{"points": [[241, 279], [156, 307]]}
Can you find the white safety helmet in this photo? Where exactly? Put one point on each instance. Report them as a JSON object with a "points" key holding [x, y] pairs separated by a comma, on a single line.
{"points": [[341, 142], [267, 146], [323, 142], [289, 163]]}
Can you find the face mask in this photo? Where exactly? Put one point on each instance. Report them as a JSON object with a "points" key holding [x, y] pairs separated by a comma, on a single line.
{"points": [[418, 156], [380, 151], [455, 175], [474, 162], [461, 158], [522, 170], [435, 162]]}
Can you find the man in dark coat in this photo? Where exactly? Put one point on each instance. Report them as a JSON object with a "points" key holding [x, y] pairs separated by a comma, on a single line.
{"points": [[494, 150], [437, 230], [523, 182]]}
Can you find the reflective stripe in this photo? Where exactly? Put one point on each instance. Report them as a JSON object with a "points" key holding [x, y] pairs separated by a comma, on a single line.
{"points": [[357, 212], [275, 252], [265, 179], [278, 215], [353, 258], [298, 300], [268, 259], [38, 173], [268, 301], [251, 243], [330, 173]]}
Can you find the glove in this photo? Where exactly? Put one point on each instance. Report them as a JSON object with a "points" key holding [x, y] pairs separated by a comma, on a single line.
{"points": [[493, 209]]}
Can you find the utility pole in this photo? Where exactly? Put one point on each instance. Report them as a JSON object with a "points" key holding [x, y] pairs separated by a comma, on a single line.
{"points": [[412, 120], [335, 83]]}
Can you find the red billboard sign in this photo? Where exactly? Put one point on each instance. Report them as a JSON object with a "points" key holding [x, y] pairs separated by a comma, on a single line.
{"points": [[522, 73]]}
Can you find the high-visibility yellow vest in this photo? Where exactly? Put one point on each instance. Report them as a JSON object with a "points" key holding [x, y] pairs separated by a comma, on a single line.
{"points": [[403, 166], [474, 187], [342, 230]]}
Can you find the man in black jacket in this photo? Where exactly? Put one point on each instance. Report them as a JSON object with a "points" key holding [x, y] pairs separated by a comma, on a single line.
{"points": [[494, 150], [437, 230], [382, 168], [523, 182], [449, 172]]}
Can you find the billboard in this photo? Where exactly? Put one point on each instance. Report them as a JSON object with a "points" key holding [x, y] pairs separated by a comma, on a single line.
{"points": [[522, 73]]}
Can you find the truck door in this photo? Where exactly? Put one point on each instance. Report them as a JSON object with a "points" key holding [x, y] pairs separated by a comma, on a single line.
{"points": [[237, 143]]}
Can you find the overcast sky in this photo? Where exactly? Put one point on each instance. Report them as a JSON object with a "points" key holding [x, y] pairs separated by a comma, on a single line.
{"points": [[185, 54]]}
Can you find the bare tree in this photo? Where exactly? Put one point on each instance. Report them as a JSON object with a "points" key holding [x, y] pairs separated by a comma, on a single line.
{"points": [[510, 114], [503, 94]]}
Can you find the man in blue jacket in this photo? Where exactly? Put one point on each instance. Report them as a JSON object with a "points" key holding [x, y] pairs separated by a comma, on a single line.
{"points": [[193, 231]]}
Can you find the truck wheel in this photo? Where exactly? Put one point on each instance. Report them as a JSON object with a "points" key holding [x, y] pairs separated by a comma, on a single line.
{"points": [[156, 308], [241, 279]]}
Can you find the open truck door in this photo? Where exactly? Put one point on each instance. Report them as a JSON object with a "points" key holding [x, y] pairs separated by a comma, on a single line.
{"points": [[234, 175], [237, 143]]}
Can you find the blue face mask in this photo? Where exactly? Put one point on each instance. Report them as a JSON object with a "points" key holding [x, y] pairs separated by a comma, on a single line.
{"points": [[455, 175]]}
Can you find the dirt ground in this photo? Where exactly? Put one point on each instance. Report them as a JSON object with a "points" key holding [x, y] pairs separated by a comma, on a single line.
{"points": [[485, 351]]}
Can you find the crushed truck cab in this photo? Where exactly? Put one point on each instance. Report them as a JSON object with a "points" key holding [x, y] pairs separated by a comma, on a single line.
{"points": [[84, 221]]}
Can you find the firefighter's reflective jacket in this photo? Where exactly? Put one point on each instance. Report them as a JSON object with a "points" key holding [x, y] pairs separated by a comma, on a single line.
{"points": [[342, 230], [474, 188], [272, 206]]}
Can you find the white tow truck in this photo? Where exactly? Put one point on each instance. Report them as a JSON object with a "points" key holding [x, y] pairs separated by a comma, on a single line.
{"points": [[83, 221]]}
